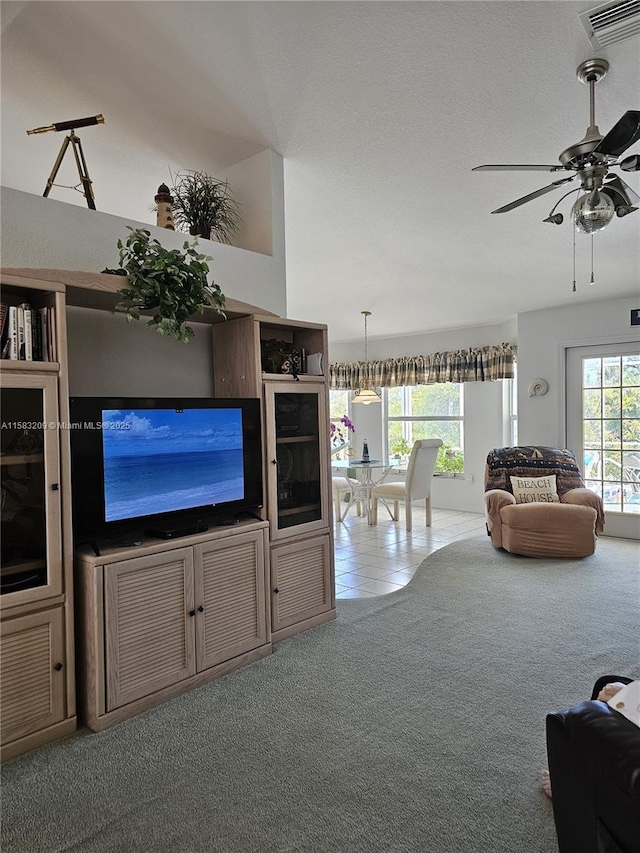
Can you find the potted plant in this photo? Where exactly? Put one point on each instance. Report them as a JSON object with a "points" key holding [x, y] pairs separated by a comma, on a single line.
{"points": [[204, 206], [171, 283], [401, 448]]}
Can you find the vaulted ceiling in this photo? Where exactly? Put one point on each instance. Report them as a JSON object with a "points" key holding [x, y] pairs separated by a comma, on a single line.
{"points": [[380, 110]]}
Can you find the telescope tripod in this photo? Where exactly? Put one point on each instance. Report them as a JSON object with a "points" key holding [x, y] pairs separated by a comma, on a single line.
{"points": [[83, 172]]}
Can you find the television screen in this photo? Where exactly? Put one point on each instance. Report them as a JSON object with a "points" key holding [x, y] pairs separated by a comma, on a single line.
{"points": [[162, 461]]}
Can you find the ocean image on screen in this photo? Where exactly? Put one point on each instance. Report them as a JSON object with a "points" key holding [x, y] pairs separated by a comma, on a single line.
{"points": [[161, 460]]}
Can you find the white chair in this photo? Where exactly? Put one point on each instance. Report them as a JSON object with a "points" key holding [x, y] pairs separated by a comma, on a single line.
{"points": [[417, 484], [342, 486]]}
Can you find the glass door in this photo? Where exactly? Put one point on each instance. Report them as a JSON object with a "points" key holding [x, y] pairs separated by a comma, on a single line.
{"points": [[603, 429], [30, 468], [297, 465]]}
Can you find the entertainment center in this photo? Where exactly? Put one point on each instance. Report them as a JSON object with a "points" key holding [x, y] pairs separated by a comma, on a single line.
{"points": [[154, 617]]}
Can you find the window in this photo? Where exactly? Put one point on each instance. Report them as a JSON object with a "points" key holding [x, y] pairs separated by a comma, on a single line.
{"points": [[426, 411], [510, 401], [340, 434], [611, 430]]}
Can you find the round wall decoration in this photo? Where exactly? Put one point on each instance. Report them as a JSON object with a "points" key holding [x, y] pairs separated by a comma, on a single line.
{"points": [[538, 387]]}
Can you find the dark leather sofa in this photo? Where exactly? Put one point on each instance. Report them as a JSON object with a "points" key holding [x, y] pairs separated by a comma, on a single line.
{"points": [[594, 765]]}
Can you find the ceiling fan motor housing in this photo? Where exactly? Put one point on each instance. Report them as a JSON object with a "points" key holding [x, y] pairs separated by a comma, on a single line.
{"points": [[578, 155]]}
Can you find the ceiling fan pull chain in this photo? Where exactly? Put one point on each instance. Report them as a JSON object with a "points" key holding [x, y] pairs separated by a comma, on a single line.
{"points": [[574, 259], [592, 279]]}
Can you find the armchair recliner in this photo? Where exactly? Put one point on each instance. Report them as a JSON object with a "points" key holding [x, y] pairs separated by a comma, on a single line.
{"points": [[594, 763], [566, 528]]}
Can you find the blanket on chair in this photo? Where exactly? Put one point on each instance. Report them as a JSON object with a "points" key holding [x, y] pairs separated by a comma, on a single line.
{"points": [[528, 461]]}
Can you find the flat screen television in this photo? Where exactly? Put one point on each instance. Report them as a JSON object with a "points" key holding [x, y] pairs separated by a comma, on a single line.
{"points": [[162, 463]]}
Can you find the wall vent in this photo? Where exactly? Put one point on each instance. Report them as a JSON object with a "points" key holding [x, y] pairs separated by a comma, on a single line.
{"points": [[610, 23]]}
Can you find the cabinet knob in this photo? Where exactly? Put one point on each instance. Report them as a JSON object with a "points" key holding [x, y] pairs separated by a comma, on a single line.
{"points": [[192, 613], [276, 591], [274, 461], [58, 667], [54, 487], [201, 608]]}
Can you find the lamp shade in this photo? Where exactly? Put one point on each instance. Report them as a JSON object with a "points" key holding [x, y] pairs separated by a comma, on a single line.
{"points": [[366, 396]]}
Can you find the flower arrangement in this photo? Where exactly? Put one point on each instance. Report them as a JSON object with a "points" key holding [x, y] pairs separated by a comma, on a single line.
{"points": [[340, 434]]}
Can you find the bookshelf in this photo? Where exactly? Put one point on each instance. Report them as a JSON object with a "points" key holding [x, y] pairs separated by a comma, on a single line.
{"points": [[37, 679]]}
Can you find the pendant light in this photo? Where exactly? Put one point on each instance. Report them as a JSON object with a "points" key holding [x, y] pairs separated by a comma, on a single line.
{"points": [[364, 394]]}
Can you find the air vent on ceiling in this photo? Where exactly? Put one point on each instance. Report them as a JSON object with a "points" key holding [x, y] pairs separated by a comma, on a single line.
{"points": [[612, 22]]}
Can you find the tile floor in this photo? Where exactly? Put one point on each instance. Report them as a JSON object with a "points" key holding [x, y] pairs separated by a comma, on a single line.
{"points": [[376, 560]]}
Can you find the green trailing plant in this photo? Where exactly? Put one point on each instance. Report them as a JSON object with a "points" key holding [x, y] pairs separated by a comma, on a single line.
{"points": [[171, 283], [204, 206]]}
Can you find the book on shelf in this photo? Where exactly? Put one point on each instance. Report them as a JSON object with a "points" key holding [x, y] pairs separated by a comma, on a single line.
{"points": [[51, 338], [10, 334], [27, 333], [20, 324]]}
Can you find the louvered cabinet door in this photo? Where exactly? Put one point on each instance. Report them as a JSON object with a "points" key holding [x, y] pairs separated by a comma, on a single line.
{"points": [[230, 598], [150, 638], [300, 581], [32, 680]]}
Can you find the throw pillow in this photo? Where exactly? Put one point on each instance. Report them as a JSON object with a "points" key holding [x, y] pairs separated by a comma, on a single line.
{"points": [[528, 490]]}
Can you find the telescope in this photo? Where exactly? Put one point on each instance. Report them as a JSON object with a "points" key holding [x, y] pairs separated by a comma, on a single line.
{"points": [[78, 153]]}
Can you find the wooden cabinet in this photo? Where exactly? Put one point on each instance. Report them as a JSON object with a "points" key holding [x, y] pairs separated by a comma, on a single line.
{"points": [[162, 617], [297, 458], [149, 637], [171, 617], [230, 603], [301, 584], [32, 679], [31, 498], [36, 600]]}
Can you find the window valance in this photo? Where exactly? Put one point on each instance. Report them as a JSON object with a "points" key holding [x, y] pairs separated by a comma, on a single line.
{"points": [[478, 364]]}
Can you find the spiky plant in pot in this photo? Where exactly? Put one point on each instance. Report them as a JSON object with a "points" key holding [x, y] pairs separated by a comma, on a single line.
{"points": [[204, 206]]}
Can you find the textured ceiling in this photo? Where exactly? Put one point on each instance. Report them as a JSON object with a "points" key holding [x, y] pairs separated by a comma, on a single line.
{"points": [[380, 110]]}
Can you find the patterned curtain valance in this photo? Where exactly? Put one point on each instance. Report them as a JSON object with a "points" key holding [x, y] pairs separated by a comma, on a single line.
{"points": [[479, 364]]}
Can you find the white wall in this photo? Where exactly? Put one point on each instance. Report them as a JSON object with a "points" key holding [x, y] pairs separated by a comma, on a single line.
{"points": [[483, 406], [543, 337], [252, 183], [43, 232]]}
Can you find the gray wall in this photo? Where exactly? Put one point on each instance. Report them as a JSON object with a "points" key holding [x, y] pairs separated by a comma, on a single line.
{"points": [[109, 356]]}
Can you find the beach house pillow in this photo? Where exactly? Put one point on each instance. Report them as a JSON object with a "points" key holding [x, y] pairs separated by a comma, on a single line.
{"points": [[528, 490]]}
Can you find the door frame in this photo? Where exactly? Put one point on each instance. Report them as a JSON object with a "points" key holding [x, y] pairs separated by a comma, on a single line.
{"points": [[622, 525]]}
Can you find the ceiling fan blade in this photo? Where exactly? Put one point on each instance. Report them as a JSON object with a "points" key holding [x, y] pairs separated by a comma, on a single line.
{"points": [[531, 196], [631, 164], [624, 133], [505, 168], [623, 189]]}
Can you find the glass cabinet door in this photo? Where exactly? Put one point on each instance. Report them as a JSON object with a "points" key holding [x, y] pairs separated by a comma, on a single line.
{"points": [[29, 464], [297, 469]]}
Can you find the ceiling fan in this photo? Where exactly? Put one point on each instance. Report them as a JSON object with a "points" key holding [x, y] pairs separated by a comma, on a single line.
{"points": [[605, 194]]}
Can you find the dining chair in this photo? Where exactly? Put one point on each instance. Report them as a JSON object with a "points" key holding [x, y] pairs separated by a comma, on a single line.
{"points": [[342, 487], [417, 484]]}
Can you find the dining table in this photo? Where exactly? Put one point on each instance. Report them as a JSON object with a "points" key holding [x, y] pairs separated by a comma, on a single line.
{"points": [[367, 475]]}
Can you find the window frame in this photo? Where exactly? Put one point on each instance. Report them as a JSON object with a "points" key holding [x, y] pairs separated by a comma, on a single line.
{"points": [[387, 419]]}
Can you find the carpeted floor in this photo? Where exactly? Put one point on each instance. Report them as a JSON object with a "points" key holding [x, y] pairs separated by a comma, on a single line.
{"points": [[414, 723]]}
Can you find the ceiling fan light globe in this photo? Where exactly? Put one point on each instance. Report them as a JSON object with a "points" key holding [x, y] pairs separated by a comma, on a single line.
{"points": [[591, 215]]}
